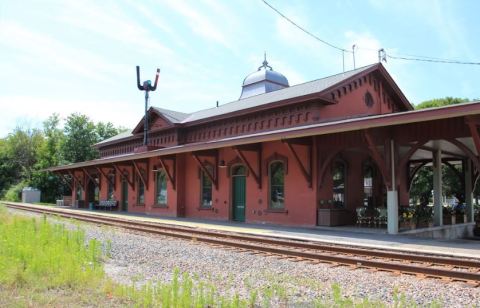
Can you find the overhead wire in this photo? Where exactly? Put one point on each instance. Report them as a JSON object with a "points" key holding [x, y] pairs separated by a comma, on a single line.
{"points": [[406, 57], [305, 30]]}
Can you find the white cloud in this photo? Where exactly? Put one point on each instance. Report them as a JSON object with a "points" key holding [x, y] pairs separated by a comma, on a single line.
{"points": [[112, 23], [43, 49], [200, 23]]}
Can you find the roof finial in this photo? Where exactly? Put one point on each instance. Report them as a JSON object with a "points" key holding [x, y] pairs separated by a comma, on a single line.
{"points": [[265, 62]]}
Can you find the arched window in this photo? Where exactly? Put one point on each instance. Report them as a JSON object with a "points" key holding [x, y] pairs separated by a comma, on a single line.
{"points": [[368, 175], [161, 188], [276, 175], [339, 182], [140, 191], [206, 188]]}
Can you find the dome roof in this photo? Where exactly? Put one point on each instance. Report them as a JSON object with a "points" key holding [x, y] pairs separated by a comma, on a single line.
{"points": [[264, 80]]}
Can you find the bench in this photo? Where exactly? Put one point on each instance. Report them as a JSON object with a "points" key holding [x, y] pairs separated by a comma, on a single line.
{"points": [[107, 204]]}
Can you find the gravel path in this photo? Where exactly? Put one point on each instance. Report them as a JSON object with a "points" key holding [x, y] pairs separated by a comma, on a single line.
{"points": [[144, 258]]}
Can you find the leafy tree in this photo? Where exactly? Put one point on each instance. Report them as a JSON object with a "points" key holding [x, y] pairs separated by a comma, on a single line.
{"points": [[50, 155], [80, 135], [439, 102], [422, 184], [105, 131]]}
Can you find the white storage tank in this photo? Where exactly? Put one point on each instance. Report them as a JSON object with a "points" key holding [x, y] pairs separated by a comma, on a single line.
{"points": [[30, 195]]}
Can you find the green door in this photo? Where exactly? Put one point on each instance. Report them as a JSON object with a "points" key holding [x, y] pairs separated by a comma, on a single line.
{"points": [[239, 197], [124, 200]]}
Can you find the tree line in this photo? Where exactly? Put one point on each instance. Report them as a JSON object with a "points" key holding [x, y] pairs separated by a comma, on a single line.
{"points": [[26, 152]]}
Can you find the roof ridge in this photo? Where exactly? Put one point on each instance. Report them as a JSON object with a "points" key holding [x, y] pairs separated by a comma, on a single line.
{"points": [[280, 90], [293, 86]]}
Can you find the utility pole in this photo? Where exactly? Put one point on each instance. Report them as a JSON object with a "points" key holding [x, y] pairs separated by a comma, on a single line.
{"points": [[147, 87]]}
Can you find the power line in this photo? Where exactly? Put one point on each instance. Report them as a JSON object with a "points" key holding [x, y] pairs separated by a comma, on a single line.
{"points": [[303, 29], [405, 57], [426, 59]]}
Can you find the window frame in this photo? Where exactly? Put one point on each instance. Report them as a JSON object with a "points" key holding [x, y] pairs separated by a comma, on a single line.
{"points": [[203, 177], [270, 163], [345, 181], [111, 187], [156, 179], [140, 182]]}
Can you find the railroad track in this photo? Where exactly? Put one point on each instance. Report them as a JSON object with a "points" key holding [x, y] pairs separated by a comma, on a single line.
{"points": [[419, 265]]}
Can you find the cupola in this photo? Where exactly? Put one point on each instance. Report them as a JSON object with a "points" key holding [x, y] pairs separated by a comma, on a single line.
{"points": [[264, 80]]}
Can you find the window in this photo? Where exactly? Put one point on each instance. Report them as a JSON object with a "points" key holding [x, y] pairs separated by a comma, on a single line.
{"points": [[276, 173], [140, 191], [206, 188], [96, 191], [110, 192], [161, 188], [368, 184], [79, 193], [339, 180], [368, 99]]}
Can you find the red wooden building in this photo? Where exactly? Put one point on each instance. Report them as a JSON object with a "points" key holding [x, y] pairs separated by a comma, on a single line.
{"points": [[303, 155]]}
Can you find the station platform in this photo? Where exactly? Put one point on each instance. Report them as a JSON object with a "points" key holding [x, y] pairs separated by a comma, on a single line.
{"points": [[352, 236]]}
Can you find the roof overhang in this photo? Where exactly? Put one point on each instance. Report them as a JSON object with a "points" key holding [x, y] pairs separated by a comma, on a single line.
{"points": [[340, 126]]}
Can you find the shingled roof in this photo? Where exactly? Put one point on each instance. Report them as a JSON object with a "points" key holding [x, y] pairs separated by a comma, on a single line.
{"points": [[263, 100]]}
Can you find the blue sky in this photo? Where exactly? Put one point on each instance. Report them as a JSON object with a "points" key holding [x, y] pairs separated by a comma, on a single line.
{"points": [[80, 56]]}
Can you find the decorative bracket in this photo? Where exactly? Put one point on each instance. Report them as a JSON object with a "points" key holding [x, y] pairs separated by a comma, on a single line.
{"points": [[123, 176], [307, 168], [67, 181], [143, 178], [171, 175], [214, 154], [378, 158], [100, 171], [85, 171], [81, 182], [257, 148]]}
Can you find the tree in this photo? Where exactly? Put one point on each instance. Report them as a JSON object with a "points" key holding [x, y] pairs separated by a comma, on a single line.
{"points": [[105, 131], [80, 136], [422, 184], [439, 102], [50, 155]]}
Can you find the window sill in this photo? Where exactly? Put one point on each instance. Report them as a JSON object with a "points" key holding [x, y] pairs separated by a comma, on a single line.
{"points": [[277, 211], [205, 208], [141, 205], [160, 206]]}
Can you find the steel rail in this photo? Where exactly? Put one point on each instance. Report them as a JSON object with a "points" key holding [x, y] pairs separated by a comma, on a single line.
{"points": [[425, 258], [284, 247]]}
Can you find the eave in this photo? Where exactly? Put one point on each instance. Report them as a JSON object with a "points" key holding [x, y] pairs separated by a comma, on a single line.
{"points": [[355, 124]]}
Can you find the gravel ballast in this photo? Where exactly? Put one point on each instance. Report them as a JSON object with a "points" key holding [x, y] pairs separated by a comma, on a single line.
{"points": [[143, 258]]}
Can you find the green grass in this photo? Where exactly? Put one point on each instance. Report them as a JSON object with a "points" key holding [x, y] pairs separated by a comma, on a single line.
{"points": [[43, 264]]}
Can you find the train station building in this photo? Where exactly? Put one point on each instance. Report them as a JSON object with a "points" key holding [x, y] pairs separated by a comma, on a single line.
{"points": [[340, 150]]}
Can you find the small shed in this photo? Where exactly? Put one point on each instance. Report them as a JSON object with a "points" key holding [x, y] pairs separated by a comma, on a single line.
{"points": [[30, 195]]}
